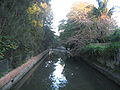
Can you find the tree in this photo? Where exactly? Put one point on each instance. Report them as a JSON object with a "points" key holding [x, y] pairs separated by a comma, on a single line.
{"points": [[102, 10], [80, 29], [22, 28]]}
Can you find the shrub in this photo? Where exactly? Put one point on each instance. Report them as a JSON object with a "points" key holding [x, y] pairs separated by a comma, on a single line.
{"points": [[115, 36], [101, 50]]}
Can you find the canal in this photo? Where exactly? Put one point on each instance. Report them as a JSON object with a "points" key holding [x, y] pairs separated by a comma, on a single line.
{"points": [[57, 72]]}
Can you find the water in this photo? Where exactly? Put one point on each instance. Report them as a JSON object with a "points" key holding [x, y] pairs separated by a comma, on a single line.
{"points": [[59, 73]]}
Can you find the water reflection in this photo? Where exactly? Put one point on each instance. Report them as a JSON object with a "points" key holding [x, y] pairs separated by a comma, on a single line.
{"points": [[48, 63], [57, 77]]}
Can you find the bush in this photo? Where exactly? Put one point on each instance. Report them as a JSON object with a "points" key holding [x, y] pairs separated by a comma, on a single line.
{"points": [[94, 49], [115, 37], [6, 45], [101, 50]]}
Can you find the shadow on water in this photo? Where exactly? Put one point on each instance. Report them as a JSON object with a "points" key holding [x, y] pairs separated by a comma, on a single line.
{"points": [[59, 73]]}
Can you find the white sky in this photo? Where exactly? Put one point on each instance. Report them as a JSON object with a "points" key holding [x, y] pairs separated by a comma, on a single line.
{"points": [[61, 7]]}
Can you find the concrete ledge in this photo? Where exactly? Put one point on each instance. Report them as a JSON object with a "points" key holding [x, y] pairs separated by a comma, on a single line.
{"points": [[14, 76]]}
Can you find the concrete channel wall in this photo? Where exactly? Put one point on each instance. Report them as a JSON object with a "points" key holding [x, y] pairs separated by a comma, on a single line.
{"points": [[16, 75], [115, 78]]}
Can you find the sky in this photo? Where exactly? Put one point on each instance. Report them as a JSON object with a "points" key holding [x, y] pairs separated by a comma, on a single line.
{"points": [[61, 7]]}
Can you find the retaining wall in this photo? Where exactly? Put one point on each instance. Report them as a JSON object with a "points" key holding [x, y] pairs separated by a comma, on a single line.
{"points": [[14, 76], [112, 76]]}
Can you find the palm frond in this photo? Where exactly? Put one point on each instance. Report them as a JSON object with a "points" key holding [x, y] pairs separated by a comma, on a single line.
{"points": [[110, 12]]}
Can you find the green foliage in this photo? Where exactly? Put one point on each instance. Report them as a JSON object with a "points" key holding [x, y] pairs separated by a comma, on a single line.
{"points": [[22, 28], [94, 49], [70, 28], [101, 50], [1, 75], [6, 45], [102, 11], [87, 24], [113, 47], [115, 36], [95, 13]]}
